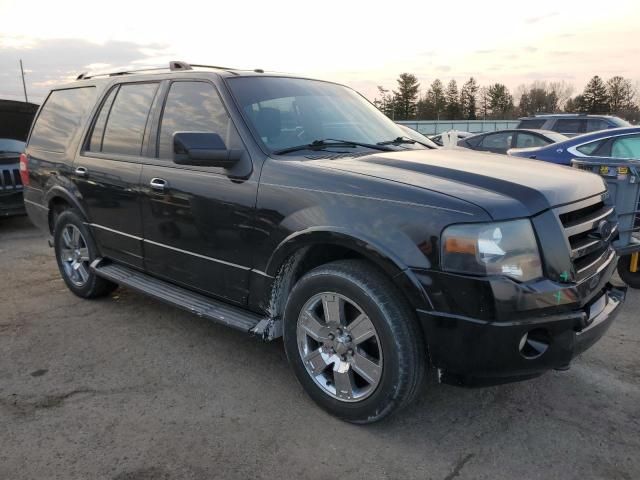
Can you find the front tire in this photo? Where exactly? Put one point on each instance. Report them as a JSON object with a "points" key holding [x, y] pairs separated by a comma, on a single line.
{"points": [[353, 341], [624, 270], [75, 250]]}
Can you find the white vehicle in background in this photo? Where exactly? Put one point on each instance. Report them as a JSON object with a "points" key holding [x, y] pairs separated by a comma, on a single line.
{"points": [[450, 138]]}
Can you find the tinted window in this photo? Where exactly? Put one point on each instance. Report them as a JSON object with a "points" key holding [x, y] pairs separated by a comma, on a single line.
{"points": [[127, 119], [95, 143], [533, 124], [569, 125], [626, 147], [10, 145], [594, 124], [498, 140], [61, 117], [590, 148], [194, 107], [474, 141], [525, 140]]}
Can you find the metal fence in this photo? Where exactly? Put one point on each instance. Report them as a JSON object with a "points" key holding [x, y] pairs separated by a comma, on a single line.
{"points": [[433, 127]]}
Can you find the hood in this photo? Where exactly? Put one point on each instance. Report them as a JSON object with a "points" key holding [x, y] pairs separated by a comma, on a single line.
{"points": [[503, 187], [16, 118]]}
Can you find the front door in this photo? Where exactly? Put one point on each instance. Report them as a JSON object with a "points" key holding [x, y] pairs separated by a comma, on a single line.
{"points": [[197, 220], [108, 170]]}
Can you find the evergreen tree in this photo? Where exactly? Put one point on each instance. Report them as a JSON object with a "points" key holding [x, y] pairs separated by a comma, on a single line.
{"points": [[469, 99], [452, 101], [435, 100], [594, 97], [500, 101], [405, 98]]}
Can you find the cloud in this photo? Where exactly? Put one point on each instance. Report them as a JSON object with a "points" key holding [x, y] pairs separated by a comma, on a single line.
{"points": [[443, 68], [539, 18], [530, 49], [54, 61]]}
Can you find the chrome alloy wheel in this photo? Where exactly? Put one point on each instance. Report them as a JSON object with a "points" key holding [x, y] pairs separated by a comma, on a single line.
{"points": [[339, 347], [74, 255]]}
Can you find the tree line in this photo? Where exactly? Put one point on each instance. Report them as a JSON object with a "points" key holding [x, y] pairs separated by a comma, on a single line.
{"points": [[616, 96]]}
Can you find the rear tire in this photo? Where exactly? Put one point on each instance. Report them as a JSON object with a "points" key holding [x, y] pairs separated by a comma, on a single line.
{"points": [[624, 270], [353, 341], [75, 250]]}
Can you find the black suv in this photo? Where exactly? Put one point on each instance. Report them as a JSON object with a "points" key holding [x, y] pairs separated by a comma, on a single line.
{"points": [[571, 124], [292, 207]]}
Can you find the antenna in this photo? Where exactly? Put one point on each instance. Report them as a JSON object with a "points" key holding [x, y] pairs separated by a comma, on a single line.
{"points": [[24, 85]]}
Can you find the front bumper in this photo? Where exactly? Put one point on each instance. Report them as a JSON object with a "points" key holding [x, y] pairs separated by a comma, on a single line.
{"points": [[11, 204], [518, 331]]}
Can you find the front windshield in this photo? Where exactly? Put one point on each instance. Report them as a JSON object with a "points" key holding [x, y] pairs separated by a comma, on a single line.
{"points": [[288, 112], [9, 145]]}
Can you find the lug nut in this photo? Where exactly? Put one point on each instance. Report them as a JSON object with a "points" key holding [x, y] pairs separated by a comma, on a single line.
{"points": [[348, 338], [343, 358], [350, 352], [339, 331], [331, 336]]}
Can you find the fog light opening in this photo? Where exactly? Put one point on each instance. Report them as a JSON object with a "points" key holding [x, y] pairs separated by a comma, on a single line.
{"points": [[534, 343]]}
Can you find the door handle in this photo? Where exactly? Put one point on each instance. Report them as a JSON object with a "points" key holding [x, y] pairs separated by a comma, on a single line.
{"points": [[82, 172], [158, 184]]}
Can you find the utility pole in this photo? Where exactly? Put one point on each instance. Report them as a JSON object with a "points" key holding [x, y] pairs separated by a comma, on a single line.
{"points": [[24, 85]]}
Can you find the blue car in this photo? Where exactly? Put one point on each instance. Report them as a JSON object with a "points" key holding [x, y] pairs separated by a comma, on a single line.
{"points": [[620, 143]]}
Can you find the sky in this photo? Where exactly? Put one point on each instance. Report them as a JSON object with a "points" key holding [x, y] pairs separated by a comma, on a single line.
{"points": [[360, 43]]}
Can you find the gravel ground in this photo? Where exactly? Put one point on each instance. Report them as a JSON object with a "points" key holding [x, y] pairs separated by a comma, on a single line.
{"points": [[128, 388]]}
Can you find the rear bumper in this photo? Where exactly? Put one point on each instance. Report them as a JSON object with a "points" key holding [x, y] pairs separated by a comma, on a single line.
{"points": [[472, 352]]}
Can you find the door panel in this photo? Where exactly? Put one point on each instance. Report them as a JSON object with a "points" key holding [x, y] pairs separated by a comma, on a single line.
{"points": [[197, 229], [108, 171]]}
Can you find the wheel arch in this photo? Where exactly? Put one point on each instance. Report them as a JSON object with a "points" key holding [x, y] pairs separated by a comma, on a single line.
{"points": [[57, 196], [299, 253]]}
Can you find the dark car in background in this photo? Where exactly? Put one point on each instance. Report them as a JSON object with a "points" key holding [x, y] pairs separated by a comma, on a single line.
{"points": [[11, 202], [15, 121], [571, 124], [503, 140], [621, 143]]}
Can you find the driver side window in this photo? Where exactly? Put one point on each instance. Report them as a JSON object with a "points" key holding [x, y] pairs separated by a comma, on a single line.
{"points": [[194, 107]]}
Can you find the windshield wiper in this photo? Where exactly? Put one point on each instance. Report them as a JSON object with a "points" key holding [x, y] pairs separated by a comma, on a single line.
{"points": [[330, 142], [405, 140]]}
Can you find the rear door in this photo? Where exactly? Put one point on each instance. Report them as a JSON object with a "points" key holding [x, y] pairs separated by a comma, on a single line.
{"points": [[197, 220], [108, 169]]}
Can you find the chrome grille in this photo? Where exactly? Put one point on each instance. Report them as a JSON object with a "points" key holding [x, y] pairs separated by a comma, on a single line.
{"points": [[584, 228]]}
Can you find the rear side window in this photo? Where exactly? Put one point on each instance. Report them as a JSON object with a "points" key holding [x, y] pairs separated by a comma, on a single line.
{"points": [[626, 147], [61, 117], [533, 124], [194, 107], [526, 140], [590, 148], [126, 119], [569, 125], [595, 124], [498, 140]]}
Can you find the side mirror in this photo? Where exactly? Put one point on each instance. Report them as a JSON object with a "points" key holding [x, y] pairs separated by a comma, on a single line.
{"points": [[203, 149]]}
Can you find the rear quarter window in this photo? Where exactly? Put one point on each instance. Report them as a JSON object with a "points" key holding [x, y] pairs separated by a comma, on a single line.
{"points": [[61, 117]]}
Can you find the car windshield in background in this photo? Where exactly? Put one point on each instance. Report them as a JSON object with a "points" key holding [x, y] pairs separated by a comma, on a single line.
{"points": [[9, 145], [287, 113], [620, 122]]}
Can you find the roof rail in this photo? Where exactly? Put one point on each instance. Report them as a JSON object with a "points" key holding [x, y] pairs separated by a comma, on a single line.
{"points": [[174, 66]]}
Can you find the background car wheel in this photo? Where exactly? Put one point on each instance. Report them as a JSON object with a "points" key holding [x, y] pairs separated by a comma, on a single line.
{"points": [[353, 341], [624, 270], [75, 250]]}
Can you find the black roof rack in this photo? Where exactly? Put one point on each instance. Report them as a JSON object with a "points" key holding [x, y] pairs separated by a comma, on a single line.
{"points": [[174, 65]]}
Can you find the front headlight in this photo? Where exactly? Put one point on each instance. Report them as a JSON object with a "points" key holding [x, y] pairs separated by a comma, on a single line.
{"points": [[502, 248]]}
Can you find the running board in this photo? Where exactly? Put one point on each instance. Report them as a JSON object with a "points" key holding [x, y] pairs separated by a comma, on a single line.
{"points": [[201, 305]]}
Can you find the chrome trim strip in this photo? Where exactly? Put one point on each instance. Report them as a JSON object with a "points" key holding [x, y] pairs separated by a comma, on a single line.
{"points": [[260, 272], [587, 224], [36, 204], [101, 227], [197, 255]]}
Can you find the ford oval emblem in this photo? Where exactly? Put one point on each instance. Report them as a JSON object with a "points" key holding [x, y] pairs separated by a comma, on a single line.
{"points": [[605, 229], [593, 283]]}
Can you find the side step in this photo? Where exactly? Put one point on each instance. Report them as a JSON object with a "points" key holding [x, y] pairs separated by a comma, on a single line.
{"points": [[180, 297]]}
